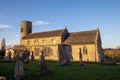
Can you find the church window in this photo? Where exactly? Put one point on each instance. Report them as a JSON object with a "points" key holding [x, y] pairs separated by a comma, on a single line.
{"points": [[43, 42], [53, 41], [37, 51], [36, 42], [28, 42], [84, 50]]}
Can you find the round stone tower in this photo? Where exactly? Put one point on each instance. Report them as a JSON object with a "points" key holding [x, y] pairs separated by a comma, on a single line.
{"points": [[26, 28]]}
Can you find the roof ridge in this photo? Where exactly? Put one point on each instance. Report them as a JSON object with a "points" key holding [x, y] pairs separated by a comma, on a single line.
{"points": [[83, 31], [48, 31]]}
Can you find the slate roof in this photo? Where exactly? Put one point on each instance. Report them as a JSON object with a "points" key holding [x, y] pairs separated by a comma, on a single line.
{"points": [[45, 34], [84, 37]]}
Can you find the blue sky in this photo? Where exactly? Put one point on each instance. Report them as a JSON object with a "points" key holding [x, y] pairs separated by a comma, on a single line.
{"points": [[76, 15]]}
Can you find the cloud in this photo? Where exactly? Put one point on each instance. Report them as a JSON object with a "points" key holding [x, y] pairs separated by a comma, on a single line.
{"points": [[16, 32], [40, 23], [3, 17], [17, 35], [3, 26]]}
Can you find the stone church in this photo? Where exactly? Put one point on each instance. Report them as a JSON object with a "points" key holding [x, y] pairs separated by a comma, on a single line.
{"points": [[86, 42]]}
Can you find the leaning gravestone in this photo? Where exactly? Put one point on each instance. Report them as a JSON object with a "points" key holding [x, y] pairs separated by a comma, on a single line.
{"points": [[19, 69]]}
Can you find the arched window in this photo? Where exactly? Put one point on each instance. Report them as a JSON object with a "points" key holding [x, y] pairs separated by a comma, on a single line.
{"points": [[21, 30], [28, 42], [53, 41], [36, 42], [84, 50], [43, 42]]}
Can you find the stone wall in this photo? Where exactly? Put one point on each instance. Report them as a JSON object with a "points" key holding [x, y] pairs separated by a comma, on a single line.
{"points": [[36, 48], [91, 54]]}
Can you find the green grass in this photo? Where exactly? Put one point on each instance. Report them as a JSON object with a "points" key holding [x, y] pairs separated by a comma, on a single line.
{"points": [[69, 72]]}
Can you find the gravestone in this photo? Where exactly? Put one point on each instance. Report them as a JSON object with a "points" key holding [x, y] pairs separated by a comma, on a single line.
{"points": [[23, 56], [19, 69], [26, 55], [43, 65], [80, 57], [32, 56]]}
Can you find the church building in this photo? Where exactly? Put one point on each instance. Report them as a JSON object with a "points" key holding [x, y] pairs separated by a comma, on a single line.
{"points": [[86, 42]]}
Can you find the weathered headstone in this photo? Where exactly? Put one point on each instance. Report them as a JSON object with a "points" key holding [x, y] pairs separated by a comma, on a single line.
{"points": [[23, 56], [80, 57], [32, 56], [43, 65], [26, 55], [19, 69]]}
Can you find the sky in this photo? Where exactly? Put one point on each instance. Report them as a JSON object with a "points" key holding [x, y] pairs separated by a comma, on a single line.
{"points": [[75, 15]]}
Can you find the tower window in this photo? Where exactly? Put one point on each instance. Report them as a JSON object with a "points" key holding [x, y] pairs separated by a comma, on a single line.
{"points": [[21, 30], [30, 30]]}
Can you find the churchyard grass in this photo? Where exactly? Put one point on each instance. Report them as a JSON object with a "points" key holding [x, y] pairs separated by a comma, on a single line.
{"points": [[72, 71]]}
